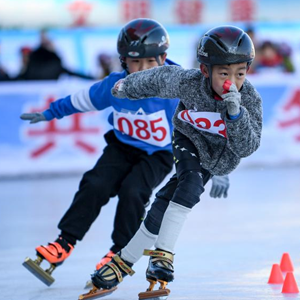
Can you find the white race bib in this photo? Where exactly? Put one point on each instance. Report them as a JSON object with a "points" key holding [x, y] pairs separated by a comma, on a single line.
{"points": [[152, 129], [206, 121]]}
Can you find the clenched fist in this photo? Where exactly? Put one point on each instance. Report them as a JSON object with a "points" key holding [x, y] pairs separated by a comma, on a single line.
{"points": [[118, 89], [232, 98]]}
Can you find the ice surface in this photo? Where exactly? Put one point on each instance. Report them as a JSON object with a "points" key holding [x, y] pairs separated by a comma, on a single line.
{"points": [[225, 251]]}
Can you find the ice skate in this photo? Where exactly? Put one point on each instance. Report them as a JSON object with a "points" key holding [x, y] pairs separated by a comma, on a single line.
{"points": [[160, 270], [54, 253], [105, 259], [95, 293], [106, 279]]}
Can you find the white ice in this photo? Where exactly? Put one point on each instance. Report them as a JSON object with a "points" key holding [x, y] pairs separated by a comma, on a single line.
{"points": [[225, 252]]}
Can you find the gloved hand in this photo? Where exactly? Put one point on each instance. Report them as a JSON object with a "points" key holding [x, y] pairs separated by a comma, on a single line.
{"points": [[33, 117], [232, 98], [118, 89], [220, 186]]}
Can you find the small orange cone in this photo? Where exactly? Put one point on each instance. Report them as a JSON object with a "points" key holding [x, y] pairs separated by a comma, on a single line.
{"points": [[276, 276], [290, 284], [286, 263]]}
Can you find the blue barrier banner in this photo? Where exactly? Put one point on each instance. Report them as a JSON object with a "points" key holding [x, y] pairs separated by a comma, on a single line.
{"points": [[74, 143], [71, 144], [280, 143]]}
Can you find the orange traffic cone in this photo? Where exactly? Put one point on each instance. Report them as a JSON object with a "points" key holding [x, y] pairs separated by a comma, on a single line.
{"points": [[290, 284], [286, 263], [276, 276]]}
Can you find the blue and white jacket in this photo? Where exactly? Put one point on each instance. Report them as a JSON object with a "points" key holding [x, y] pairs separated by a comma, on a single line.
{"points": [[145, 124]]}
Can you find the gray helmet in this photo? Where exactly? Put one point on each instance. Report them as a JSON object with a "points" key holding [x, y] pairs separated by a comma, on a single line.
{"points": [[142, 38], [225, 45]]}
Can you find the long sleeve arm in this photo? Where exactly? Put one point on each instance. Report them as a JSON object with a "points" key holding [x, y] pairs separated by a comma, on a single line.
{"points": [[77, 102], [161, 82]]}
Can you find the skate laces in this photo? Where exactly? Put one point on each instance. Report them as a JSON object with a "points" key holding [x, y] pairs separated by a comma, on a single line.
{"points": [[105, 259]]}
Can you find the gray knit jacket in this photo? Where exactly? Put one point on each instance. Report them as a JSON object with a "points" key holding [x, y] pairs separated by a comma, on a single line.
{"points": [[217, 154]]}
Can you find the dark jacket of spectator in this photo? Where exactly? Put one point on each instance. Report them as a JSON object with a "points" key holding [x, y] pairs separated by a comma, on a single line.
{"points": [[45, 64]]}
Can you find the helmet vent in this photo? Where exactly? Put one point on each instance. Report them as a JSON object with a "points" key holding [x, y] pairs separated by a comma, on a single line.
{"points": [[142, 38], [225, 44], [220, 44]]}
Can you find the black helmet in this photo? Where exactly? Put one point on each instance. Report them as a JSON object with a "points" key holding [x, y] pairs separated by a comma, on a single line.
{"points": [[142, 38], [225, 45]]}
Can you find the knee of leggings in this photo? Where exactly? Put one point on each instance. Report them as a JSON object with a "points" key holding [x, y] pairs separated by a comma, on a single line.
{"points": [[189, 189], [155, 215]]}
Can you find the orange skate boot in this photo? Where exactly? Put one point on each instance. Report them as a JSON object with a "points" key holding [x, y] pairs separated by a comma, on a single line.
{"points": [[105, 259], [55, 253]]}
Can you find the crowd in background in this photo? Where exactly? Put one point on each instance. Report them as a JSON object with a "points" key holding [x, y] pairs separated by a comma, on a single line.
{"points": [[271, 56], [44, 63]]}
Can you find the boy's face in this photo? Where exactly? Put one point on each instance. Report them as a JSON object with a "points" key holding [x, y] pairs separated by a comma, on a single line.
{"points": [[236, 73], [140, 64]]}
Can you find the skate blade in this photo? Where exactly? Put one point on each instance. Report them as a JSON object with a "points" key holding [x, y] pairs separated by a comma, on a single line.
{"points": [[155, 295], [38, 272], [95, 293], [88, 285]]}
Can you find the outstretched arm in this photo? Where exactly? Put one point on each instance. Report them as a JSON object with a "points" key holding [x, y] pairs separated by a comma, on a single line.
{"points": [[91, 99], [58, 109], [161, 82]]}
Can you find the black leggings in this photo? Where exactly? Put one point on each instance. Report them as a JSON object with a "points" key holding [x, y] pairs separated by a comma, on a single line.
{"points": [[122, 170], [184, 187]]}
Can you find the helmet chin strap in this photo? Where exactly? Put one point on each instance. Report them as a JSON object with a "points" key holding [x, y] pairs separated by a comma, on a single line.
{"points": [[123, 64], [209, 68], [158, 60]]}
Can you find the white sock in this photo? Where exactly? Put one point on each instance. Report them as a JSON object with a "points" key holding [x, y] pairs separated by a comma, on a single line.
{"points": [[143, 239], [171, 226]]}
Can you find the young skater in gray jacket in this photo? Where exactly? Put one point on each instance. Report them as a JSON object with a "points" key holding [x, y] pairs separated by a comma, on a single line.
{"points": [[218, 121]]}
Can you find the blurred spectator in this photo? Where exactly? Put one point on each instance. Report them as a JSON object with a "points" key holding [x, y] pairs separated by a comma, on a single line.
{"points": [[251, 32], [286, 51], [3, 75], [272, 57], [25, 53], [45, 64]]}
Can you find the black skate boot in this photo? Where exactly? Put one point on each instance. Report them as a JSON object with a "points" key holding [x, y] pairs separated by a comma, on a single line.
{"points": [[106, 279], [160, 269]]}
